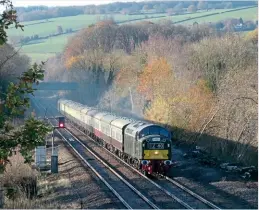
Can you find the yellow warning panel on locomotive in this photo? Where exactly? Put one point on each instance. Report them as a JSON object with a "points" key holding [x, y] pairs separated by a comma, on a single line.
{"points": [[155, 155]]}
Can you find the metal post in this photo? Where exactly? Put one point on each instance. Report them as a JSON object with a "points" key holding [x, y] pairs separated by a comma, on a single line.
{"points": [[132, 105], [54, 157], [54, 164], [52, 143]]}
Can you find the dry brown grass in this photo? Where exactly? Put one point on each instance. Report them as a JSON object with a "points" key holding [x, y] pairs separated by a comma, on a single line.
{"points": [[22, 202], [12, 179]]}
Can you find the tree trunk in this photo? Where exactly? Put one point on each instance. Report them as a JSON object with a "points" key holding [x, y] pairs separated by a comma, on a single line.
{"points": [[110, 79]]}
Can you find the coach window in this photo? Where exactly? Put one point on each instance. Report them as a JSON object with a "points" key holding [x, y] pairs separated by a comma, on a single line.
{"points": [[112, 133]]}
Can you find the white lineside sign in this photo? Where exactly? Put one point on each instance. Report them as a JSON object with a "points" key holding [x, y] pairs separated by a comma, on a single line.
{"points": [[40, 156]]}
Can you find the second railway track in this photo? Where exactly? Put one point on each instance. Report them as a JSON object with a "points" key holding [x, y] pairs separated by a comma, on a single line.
{"points": [[165, 193], [184, 196], [125, 192]]}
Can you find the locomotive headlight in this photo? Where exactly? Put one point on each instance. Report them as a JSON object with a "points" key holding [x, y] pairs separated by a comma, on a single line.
{"points": [[156, 152], [144, 162], [168, 162]]}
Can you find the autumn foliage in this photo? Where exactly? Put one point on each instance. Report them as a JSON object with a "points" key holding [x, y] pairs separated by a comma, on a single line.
{"points": [[253, 36], [179, 77], [72, 60], [154, 79], [183, 109]]}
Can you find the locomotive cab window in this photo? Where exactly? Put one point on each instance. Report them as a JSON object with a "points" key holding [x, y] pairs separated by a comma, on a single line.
{"points": [[144, 133], [164, 132]]}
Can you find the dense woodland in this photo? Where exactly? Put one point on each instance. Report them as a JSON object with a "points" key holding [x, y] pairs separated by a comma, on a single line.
{"points": [[198, 81], [169, 7], [193, 80]]}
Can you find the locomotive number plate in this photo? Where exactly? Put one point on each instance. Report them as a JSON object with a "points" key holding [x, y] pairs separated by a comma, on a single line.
{"points": [[155, 146]]}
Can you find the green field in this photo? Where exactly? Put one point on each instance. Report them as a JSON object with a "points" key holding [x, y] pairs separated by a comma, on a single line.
{"points": [[246, 14], [185, 16], [44, 27], [48, 47]]}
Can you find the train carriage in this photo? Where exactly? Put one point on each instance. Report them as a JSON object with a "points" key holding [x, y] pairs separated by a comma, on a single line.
{"points": [[61, 105], [76, 113], [91, 121], [117, 131], [87, 119], [97, 124], [69, 110], [105, 127]]}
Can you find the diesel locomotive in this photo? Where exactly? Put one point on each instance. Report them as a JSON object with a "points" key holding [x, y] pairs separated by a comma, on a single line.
{"points": [[145, 145]]}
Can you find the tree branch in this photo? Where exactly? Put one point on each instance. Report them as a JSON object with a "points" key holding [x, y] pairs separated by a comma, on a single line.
{"points": [[246, 98], [8, 58]]}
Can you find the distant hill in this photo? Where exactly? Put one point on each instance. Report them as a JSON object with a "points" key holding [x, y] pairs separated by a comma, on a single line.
{"points": [[132, 8], [46, 38]]}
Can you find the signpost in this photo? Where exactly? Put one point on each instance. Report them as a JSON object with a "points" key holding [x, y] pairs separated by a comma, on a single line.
{"points": [[40, 151], [54, 153]]}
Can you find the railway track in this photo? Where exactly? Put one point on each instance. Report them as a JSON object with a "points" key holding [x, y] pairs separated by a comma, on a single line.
{"points": [[129, 196], [185, 196], [169, 187]]}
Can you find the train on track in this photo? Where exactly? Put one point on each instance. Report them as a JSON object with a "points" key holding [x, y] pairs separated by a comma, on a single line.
{"points": [[145, 145]]}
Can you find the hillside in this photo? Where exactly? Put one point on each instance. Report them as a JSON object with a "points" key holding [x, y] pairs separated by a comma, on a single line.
{"points": [[49, 46], [49, 26]]}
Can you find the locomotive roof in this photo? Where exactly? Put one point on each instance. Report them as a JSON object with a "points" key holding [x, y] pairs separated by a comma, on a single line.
{"points": [[135, 127], [121, 122], [154, 137]]}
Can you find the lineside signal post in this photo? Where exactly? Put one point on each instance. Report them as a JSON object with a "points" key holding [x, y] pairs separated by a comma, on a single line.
{"points": [[54, 157]]}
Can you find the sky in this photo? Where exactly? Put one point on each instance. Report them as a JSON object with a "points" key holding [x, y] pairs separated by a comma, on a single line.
{"points": [[50, 3], [19, 3]]}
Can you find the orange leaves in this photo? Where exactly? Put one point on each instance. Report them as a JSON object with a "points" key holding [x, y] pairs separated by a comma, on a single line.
{"points": [[159, 111], [154, 78], [105, 23], [184, 109], [253, 36], [72, 60], [128, 72], [201, 101]]}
